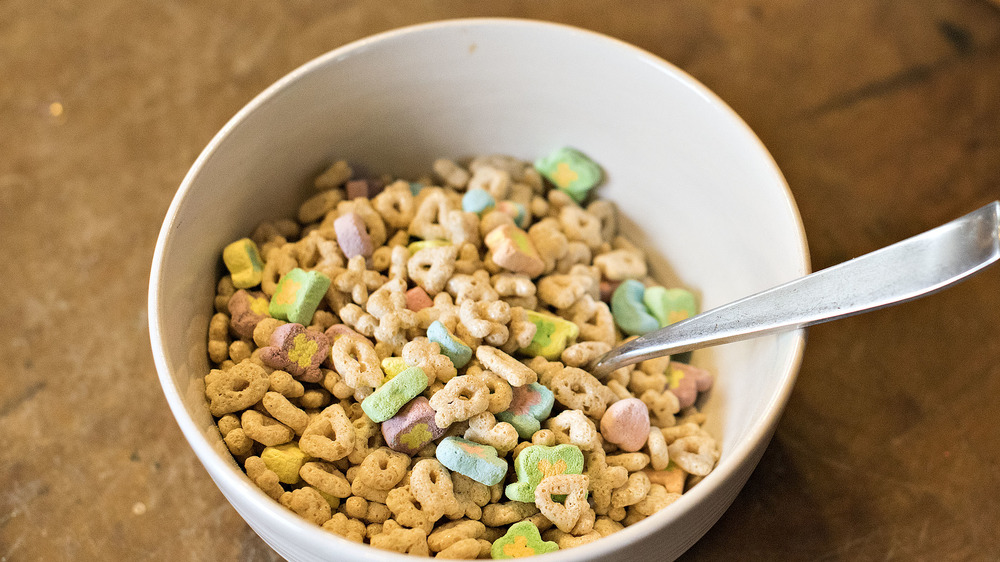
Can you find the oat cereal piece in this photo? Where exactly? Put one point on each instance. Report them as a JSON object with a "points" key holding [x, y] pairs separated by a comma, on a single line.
{"points": [[326, 478], [462, 397], [604, 479], [218, 338], [672, 478], [512, 370], [334, 176], [695, 454], [483, 428], [263, 477], [575, 428], [356, 361], [501, 514], [451, 173], [633, 462], [452, 532], [381, 470], [584, 354], [367, 437], [317, 206], [574, 487], [329, 435], [396, 205], [431, 485], [659, 457], [430, 268], [408, 511], [427, 355], [285, 412], [358, 280], [486, 320], [308, 503], [594, 320], [398, 539], [560, 291], [579, 390], [619, 265], [471, 495], [236, 389], [662, 407]]}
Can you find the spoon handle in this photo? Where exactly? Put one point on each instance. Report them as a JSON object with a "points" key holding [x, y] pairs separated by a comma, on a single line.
{"points": [[904, 271]]}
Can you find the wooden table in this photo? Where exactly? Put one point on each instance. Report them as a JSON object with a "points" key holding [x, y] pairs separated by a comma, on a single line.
{"points": [[883, 115]]}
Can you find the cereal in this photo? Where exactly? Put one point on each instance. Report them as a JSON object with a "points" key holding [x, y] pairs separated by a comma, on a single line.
{"points": [[297, 295], [537, 462], [521, 540], [242, 259], [493, 287], [565, 516], [626, 424], [478, 462]]}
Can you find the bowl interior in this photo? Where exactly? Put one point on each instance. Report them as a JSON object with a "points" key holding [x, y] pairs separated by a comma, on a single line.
{"points": [[693, 185]]}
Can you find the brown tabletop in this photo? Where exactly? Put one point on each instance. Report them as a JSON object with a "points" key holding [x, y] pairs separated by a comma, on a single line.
{"points": [[883, 115]]}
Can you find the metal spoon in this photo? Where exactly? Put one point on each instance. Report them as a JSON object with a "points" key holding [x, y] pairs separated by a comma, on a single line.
{"points": [[907, 270]]}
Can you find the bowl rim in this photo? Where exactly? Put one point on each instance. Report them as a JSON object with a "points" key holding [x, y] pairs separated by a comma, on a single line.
{"points": [[218, 467]]}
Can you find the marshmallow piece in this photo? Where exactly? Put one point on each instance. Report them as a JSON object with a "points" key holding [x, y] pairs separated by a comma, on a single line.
{"points": [[478, 462], [629, 311], [570, 171], [552, 335], [285, 461], [412, 428], [670, 305], [297, 351], [512, 249], [394, 394], [686, 381], [477, 201], [417, 299], [521, 540], [537, 462], [352, 235], [515, 211], [626, 424], [246, 310], [529, 406], [392, 366], [451, 347], [242, 259], [297, 295]]}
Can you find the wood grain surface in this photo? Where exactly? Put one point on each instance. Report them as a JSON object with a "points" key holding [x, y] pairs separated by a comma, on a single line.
{"points": [[883, 115]]}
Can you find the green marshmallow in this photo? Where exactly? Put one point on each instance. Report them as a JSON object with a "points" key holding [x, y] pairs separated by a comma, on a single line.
{"points": [[552, 335], [570, 171], [521, 540], [297, 295], [537, 462], [670, 305], [394, 394], [629, 311]]}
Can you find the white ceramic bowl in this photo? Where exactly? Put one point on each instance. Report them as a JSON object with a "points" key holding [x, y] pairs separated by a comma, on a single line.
{"points": [[692, 182]]}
